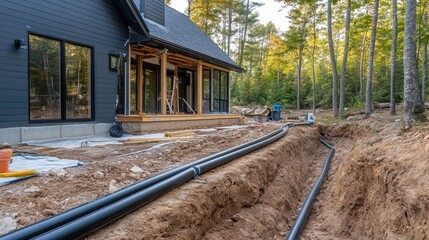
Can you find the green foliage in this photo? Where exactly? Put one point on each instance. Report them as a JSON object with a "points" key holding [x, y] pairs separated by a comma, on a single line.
{"points": [[270, 57]]}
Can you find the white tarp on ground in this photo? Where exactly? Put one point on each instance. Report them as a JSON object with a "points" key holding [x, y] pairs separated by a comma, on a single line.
{"points": [[39, 163]]}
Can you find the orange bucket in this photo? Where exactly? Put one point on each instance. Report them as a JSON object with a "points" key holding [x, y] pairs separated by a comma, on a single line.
{"points": [[5, 155]]}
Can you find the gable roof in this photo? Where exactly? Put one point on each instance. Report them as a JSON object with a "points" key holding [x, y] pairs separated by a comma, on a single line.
{"points": [[131, 15], [180, 33]]}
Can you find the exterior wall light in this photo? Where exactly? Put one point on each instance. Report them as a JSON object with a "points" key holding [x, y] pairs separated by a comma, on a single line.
{"points": [[21, 43]]}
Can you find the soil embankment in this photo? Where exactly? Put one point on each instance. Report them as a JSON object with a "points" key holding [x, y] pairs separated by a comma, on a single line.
{"points": [[380, 188], [255, 197]]}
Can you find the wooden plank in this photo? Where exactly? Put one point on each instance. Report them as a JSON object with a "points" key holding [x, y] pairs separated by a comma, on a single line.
{"points": [[155, 140], [200, 88], [173, 118], [216, 67], [181, 133], [164, 83]]}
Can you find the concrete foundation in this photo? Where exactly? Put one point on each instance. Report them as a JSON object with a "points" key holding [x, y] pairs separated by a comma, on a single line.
{"points": [[24, 134]]}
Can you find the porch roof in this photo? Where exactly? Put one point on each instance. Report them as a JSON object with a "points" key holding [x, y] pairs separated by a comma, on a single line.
{"points": [[181, 34]]}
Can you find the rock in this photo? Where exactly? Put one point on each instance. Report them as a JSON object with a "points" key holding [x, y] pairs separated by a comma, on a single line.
{"points": [[7, 224], [136, 176], [32, 189], [379, 159], [98, 175], [48, 212], [23, 220], [59, 172], [112, 187], [136, 169]]}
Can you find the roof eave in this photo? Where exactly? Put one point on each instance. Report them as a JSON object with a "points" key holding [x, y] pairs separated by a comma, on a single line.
{"points": [[193, 53], [129, 11]]}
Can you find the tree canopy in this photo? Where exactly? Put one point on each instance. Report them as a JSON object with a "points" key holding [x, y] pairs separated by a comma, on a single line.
{"points": [[279, 65]]}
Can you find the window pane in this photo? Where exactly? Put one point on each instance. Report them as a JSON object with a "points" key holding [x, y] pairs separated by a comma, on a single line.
{"points": [[206, 85], [149, 91], [78, 81], [133, 85], [224, 85], [216, 84], [45, 68]]}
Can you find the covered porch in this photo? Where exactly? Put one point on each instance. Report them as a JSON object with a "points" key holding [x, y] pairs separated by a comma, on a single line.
{"points": [[169, 91], [163, 82]]}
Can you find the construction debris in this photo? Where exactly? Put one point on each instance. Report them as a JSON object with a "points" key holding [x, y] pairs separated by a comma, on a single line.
{"points": [[156, 140], [180, 133]]}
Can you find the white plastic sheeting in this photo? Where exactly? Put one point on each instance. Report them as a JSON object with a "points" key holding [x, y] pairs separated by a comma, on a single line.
{"points": [[39, 163]]}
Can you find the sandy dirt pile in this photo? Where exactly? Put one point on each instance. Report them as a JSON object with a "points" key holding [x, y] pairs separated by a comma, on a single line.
{"points": [[378, 187], [253, 197]]}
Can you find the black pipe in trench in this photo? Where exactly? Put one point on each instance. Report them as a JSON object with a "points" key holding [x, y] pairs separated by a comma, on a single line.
{"points": [[302, 217], [91, 222], [50, 223]]}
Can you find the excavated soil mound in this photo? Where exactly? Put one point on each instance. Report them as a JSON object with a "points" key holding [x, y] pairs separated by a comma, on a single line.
{"points": [[380, 189], [254, 197]]}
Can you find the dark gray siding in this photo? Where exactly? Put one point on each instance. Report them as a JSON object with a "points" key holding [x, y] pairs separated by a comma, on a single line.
{"points": [[154, 10], [94, 23]]}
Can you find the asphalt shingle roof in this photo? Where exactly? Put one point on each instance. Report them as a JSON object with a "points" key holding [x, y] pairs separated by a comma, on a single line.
{"points": [[181, 31]]}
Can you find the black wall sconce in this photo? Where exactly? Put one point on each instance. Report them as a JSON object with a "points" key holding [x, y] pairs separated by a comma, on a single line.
{"points": [[113, 62], [21, 43]]}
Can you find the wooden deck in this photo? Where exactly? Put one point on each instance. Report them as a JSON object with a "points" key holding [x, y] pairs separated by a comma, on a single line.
{"points": [[173, 118], [140, 124]]}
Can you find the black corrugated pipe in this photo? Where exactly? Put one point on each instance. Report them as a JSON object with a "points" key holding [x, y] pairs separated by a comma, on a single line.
{"points": [[300, 221], [91, 222], [79, 211]]}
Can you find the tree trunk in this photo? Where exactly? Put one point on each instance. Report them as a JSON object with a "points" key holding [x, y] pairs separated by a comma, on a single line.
{"points": [[206, 21], [333, 63], [298, 94], [368, 98], [393, 58], [362, 60], [245, 33], [229, 27], [413, 104], [424, 65], [189, 8], [312, 59], [346, 52]]}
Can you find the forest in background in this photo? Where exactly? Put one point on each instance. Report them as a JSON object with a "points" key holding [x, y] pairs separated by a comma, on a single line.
{"points": [[277, 61]]}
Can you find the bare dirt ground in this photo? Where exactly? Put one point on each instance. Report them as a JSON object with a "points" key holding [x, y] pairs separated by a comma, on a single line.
{"points": [[377, 188]]}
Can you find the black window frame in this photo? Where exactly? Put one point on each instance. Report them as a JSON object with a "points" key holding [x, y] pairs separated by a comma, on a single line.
{"points": [[63, 86]]}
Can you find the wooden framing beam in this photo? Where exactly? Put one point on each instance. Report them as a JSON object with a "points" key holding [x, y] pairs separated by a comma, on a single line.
{"points": [[139, 84], [163, 84], [200, 88], [216, 67]]}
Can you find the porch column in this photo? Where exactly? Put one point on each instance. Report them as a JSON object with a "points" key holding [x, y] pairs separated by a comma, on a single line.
{"points": [[139, 84], [200, 88], [164, 83]]}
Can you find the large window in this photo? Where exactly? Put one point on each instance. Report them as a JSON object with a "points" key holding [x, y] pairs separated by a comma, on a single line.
{"points": [[220, 91], [60, 79]]}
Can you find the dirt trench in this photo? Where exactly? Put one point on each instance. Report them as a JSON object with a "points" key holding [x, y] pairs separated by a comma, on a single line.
{"points": [[378, 186], [255, 197]]}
